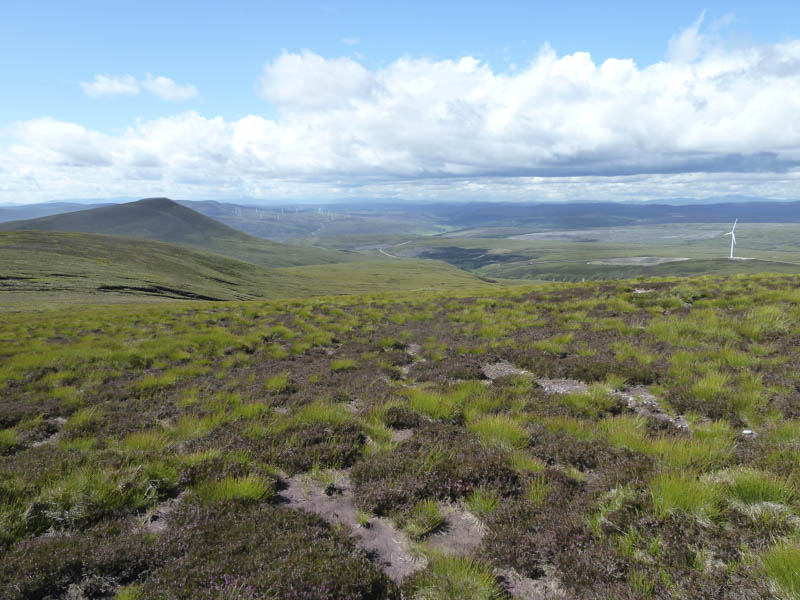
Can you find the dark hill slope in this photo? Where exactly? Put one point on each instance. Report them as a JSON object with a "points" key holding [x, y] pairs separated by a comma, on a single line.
{"points": [[40, 269], [163, 220]]}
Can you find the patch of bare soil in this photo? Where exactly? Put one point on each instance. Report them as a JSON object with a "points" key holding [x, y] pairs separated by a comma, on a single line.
{"points": [[562, 386], [501, 369], [414, 349], [461, 532], [525, 588], [57, 422], [638, 399], [385, 543], [401, 435], [155, 521], [643, 403]]}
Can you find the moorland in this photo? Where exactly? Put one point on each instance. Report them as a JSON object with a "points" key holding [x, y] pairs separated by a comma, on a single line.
{"points": [[437, 436]]}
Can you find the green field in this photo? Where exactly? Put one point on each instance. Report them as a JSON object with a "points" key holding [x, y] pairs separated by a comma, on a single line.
{"points": [[572, 255], [586, 439]]}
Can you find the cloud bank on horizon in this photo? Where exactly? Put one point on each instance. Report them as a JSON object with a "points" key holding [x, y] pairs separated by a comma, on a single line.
{"points": [[711, 119]]}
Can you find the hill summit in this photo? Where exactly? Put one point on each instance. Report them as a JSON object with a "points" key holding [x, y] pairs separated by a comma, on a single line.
{"points": [[164, 220], [152, 218]]}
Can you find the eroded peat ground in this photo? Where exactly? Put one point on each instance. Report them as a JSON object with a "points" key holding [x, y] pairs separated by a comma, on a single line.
{"points": [[619, 440]]}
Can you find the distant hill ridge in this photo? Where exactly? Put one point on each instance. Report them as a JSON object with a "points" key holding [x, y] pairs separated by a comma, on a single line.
{"points": [[164, 220]]}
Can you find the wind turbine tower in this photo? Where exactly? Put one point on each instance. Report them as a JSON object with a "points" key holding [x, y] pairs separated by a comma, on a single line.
{"points": [[733, 236]]}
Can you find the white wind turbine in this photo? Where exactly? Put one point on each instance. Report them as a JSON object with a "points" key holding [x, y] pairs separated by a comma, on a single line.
{"points": [[733, 236]]}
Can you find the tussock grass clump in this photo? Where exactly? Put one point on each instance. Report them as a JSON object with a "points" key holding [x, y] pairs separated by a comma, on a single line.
{"points": [[9, 441], [522, 463], [276, 351], [764, 322], [501, 431], [482, 502], [711, 445], [88, 494], [277, 383], [782, 566], [711, 386], [538, 490], [84, 421], [557, 344], [685, 493], [319, 413], [751, 486], [130, 592], [190, 427], [454, 578], [145, 442], [281, 332], [434, 405], [425, 518], [596, 401], [250, 488], [342, 364], [155, 383]]}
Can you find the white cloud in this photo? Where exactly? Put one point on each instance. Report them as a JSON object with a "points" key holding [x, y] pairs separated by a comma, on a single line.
{"points": [[713, 120], [106, 85], [166, 89], [163, 87], [308, 80]]}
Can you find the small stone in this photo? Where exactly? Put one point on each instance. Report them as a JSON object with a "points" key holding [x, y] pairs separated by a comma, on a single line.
{"points": [[748, 433], [681, 423]]}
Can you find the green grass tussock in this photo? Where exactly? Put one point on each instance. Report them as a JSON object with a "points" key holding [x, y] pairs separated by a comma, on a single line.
{"points": [[454, 578], [685, 493], [250, 488], [425, 518], [782, 566]]}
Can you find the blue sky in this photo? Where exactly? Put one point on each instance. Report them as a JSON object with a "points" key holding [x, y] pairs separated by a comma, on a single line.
{"points": [[239, 61]]}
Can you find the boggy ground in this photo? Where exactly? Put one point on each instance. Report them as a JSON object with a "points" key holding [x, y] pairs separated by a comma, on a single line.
{"points": [[624, 440]]}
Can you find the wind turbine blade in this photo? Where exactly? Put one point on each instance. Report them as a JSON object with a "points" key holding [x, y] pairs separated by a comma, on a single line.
{"points": [[734, 225]]}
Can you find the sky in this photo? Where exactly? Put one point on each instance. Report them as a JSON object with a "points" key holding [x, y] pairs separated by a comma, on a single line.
{"points": [[325, 101]]}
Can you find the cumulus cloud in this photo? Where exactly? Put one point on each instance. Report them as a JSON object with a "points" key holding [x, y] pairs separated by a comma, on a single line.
{"points": [[308, 80], [710, 120], [163, 87]]}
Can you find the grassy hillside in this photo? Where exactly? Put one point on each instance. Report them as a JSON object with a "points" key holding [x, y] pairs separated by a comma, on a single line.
{"points": [[598, 440], [42, 268], [163, 220]]}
